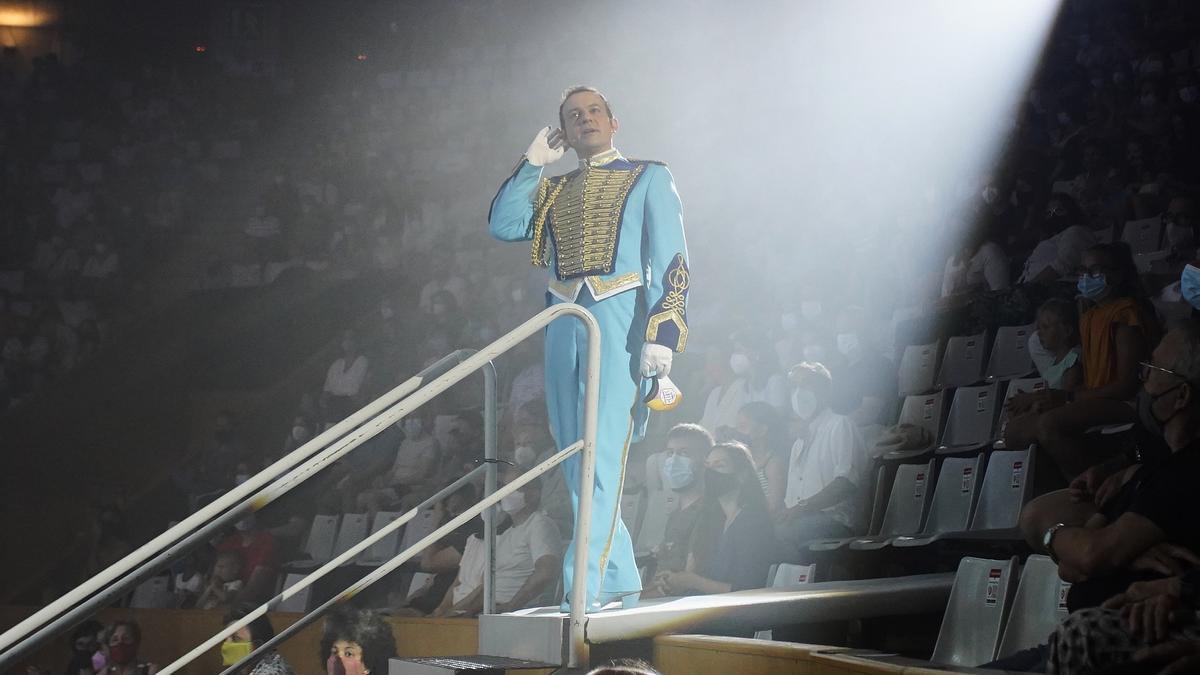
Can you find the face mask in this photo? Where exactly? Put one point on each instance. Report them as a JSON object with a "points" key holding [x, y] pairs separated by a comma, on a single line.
{"points": [[240, 478], [386, 312], [814, 354], [245, 524], [717, 483], [513, 502], [299, 433], [412, 427], [233, 651], [518, 294], [677, 472], [122, 653], [990, 194], [524, 455], [1189, 285], [1092, 286], [739, 363], [810, 309], [789, 322], [1145, 409], [804, 403], [847, 343]]}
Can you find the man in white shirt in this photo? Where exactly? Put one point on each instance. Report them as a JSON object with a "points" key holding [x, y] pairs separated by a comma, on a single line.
{"points": [[827, 468], [343, 380], [528, 555], [1058, 254]]}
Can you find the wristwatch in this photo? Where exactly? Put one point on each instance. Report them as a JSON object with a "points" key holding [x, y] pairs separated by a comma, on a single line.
{"points": [[1048, 540]]}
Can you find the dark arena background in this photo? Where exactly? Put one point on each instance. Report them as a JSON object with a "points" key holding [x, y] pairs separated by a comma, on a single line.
{"points": [[940, 391]]}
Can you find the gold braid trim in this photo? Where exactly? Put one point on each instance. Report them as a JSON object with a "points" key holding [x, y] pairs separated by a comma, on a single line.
{"points": [[587, 219], [541, 206], [673, 304]]}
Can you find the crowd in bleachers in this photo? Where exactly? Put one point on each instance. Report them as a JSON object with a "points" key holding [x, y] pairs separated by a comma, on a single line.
{"points": [[834, 431]]}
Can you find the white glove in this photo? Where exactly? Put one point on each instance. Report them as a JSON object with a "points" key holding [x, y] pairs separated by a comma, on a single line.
{"points": [[540, 152], [656, 360]]}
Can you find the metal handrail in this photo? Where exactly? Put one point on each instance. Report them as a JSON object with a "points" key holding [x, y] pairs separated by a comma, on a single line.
{"points": [[250, 496], [373, 419]]}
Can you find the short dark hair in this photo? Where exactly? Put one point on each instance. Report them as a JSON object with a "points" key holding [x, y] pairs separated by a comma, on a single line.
{"points": [[261, 630], [811, 375], [135, 631], [694, 432], [579, 89], [364, 627]]}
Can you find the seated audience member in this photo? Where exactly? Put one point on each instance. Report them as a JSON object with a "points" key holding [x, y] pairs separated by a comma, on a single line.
{"points": [[732, 547], [224, 583], [85, 643], [981, 264], [248, 638], [1064, 239], [258, 550], [1151, 625], [356, 641], [1116, 332], [688, 446], [766, 436], [1054, 347], [343, 381], [535, 438], [624, 667], [864, 380], [1130, 528], [415, 461], [442, 558], [123, 640], [827, 467], [528, 557], [756, 377]]}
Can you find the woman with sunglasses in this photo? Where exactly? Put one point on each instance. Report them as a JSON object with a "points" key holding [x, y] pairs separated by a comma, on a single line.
{"points": [[1117, 330]]}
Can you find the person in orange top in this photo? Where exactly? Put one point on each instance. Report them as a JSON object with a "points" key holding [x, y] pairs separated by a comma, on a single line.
{"points": [[1117, 331]]}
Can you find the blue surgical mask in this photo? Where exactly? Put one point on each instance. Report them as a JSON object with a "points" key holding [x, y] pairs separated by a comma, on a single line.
{"points": [[1189, 285], [677, 472], [1092, 286]]}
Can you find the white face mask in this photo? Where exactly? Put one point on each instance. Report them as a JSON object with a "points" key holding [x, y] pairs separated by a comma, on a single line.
{"points": [[739, 363], [299, 433], [810, 309], [847, 343], [240, 478], [804, 403], [524, 455], [513, 503]]}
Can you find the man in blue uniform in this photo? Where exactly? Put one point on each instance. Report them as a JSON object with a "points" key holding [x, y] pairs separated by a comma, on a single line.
{"points": [[611, 234]]}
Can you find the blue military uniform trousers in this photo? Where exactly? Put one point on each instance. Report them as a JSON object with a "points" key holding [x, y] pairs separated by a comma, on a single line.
{"points": [[612, 570]]}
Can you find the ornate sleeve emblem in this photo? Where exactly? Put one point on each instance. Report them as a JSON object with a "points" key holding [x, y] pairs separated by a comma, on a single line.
{"points": [[667, 324]]}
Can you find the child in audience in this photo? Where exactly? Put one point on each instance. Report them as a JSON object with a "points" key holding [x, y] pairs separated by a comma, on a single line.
{"points": [[225, 582]]}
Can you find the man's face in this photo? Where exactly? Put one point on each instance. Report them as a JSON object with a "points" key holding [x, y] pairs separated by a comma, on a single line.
{"points": [[685, 447], [586, 123]]}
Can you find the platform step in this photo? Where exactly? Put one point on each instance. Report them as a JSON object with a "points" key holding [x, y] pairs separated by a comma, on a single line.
{"points": [[477, 665]]}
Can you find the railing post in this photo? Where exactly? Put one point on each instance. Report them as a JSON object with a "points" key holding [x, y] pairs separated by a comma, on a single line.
{"points": [[490, 431], [578, 651]]}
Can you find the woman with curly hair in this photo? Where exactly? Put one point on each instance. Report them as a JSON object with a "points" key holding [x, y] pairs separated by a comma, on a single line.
{"points": [[356, 642]]}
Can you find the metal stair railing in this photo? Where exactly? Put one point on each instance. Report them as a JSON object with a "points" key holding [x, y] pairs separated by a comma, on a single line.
{"points": [[318, 453]]}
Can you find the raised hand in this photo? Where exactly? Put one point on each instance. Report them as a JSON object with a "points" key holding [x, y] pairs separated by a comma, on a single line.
{"points": [[547, 147]]}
